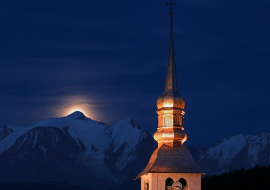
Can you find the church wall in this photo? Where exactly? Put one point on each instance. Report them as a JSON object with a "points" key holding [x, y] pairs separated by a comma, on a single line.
{"points": [[157, 180], [146, 178]]}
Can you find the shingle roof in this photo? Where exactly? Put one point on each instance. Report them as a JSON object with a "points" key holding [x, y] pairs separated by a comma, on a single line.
{"points": [[167, 159]]}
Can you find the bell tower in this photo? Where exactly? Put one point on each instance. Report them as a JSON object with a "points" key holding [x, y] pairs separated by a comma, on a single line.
{"points": [[171, 166]]}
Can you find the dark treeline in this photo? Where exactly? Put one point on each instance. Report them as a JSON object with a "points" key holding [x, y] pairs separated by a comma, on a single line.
{"points": [[250, 179]]}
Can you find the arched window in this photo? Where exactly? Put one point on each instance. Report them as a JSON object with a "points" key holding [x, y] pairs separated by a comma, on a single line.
{"points": [[168, 184], [183, 181]]}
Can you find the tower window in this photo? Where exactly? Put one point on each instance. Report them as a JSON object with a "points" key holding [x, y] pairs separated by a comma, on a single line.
{"points": [[163, 120], [177, 119], [168, 184], [183, 181], [168, 122]]}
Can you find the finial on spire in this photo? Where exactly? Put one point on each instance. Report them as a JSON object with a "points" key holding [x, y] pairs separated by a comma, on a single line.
{"points": [[171, 4]]}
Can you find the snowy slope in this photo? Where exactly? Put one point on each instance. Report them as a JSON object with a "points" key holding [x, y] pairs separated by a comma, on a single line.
{"points": [[234, 152], [106, 151], [79, 127]]}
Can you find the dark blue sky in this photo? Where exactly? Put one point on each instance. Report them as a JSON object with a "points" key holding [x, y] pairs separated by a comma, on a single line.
{"points": [[109, 58]]}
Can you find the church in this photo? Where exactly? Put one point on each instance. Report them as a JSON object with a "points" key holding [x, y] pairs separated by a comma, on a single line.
{"points": [[171, 166]]}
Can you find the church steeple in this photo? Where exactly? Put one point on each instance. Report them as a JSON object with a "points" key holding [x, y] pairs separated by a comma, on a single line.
{"points": [[171, 165], [170, 104], [171, 81]]}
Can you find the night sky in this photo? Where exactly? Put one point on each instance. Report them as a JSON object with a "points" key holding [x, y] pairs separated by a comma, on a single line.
{"points": [[108, 59]]}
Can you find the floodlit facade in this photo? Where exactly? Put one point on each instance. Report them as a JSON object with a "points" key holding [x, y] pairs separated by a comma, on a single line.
{"points": [[171, 166]]}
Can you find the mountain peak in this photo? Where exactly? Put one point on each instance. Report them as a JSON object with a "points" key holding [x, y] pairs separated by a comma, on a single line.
{"points": [[77, 115], [133, 123]]}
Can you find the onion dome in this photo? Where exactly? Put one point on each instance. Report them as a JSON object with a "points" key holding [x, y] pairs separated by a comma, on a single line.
{"points": [[168, 100]]}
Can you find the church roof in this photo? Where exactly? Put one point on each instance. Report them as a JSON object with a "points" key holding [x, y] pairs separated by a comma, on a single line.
{"points": [[167, 159]]}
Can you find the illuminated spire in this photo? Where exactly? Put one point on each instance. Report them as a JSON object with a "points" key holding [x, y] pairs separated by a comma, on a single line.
{"points": [[171, 156], [171, 81], [170, 104], [171, 98]]}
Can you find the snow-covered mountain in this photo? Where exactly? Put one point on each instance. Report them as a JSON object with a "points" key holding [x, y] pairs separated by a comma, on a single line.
{"points": [[76, 150], [87, 153], [234, 152]]}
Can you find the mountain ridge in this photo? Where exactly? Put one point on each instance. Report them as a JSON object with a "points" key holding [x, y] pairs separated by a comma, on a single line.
{"points": [[80, 151], [74, 147], [234, 152]]}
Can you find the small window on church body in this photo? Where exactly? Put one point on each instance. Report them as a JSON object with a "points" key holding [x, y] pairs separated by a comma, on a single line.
{"points": [[147, 186], [183, 181], [168, 184]]}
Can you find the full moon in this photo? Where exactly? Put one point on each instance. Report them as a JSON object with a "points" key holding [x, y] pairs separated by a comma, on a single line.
{"points": [[71, 104]]}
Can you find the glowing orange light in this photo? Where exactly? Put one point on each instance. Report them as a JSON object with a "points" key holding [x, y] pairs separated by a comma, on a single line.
{"points": [[166, 135], [171, 127], [168, 120], [167, 105]]}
